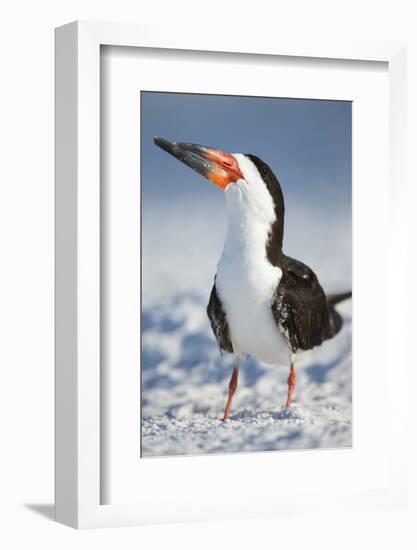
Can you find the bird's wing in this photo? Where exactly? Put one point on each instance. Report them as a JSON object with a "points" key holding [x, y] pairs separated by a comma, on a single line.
{"points": [[218, 322], [300, 307]]}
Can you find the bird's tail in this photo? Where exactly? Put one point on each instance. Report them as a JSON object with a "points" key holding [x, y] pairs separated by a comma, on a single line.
{"points": [[333, 299]]}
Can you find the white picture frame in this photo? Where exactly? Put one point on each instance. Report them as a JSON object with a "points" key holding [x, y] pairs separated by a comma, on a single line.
{"points": [[78, 450]]}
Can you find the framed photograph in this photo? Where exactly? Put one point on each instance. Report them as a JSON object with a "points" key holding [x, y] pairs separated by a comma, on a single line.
{"points": [[222, 207]]}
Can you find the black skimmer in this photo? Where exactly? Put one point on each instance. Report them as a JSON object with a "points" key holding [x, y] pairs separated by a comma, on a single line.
{"points": [[263, 303]]}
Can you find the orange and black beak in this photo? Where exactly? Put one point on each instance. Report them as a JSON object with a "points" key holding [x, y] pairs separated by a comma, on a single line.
{"points": [[220, 168]]}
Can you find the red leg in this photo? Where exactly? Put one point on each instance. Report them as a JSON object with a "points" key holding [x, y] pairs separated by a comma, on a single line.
{"points": [[291, 384], [232, 389]]}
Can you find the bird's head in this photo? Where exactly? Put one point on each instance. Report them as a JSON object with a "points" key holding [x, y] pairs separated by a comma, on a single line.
{"points": [[251, 188]]}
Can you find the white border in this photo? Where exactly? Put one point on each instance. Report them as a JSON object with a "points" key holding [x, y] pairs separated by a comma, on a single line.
{"points": [[78, 265]]}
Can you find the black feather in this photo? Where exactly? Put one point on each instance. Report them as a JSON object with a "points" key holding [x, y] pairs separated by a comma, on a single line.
{"points": [[218, 322], [300, 307]]}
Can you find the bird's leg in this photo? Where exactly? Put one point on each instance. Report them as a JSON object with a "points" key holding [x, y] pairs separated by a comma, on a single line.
{"points": [[291, 382], [232, 389]]}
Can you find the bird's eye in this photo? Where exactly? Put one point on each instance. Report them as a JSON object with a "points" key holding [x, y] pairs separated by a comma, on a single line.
{"points": [[264, 170]]}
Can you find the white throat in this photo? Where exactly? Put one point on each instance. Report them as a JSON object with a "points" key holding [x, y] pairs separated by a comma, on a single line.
{"points": [[250, 212]]}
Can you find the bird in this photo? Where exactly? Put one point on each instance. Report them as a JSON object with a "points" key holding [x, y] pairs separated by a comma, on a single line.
{"points": [[263, 303]]}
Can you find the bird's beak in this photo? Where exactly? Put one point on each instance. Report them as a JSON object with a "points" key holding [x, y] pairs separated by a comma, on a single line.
{"points": [[220, 168]]}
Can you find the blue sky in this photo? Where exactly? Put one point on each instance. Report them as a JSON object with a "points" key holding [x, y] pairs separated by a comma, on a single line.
{"points": [[307, 143]]}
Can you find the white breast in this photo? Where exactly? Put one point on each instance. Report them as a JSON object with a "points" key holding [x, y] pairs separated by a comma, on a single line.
{"points": [[246, 281], [246, 293]]}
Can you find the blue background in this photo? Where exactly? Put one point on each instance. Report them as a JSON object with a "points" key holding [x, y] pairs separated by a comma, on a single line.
{"points": [[307, 143]]}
